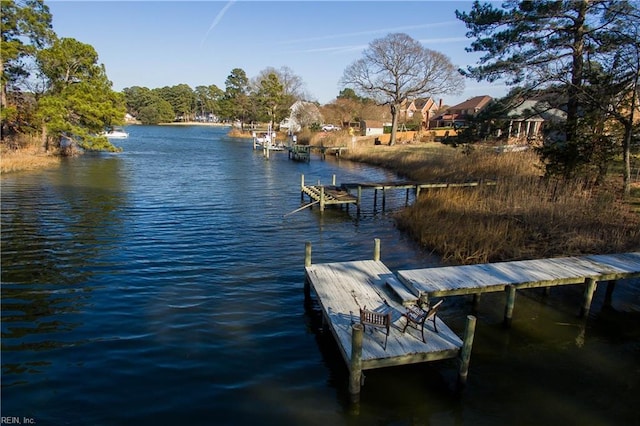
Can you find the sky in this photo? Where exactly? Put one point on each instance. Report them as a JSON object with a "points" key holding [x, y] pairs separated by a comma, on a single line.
{"points": [[165, 43]]}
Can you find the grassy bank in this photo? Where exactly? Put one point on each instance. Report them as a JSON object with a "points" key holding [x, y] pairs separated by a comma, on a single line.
{"points": [[522, 217], [25, 153]]}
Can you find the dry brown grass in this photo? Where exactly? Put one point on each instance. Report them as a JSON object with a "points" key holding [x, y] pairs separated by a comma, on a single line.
{"points": [[522, 217], [25, 154]]}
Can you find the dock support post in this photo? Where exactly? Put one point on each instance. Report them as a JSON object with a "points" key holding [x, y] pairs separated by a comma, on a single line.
{"points": [[384, 198], [590, 288], [307, 254], [465, 352], [476, 301], [359, 198], [511, 301], [611, 285], [333, 180], [301, 187], [376, 249], [307, 262], [322, 198], [355, 366]]}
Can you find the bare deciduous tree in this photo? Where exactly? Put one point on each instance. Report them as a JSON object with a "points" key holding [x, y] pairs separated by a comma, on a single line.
{"points": [[397, 68]]}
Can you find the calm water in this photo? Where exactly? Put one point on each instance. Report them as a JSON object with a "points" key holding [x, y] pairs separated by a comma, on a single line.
{"points": [[163, 286]]}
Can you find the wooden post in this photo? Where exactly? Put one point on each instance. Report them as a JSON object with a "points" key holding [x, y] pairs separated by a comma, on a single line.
{"points": [[333, 180], [611, 285], [359, 198], [384, 197], [465, 352], [376, 249], [355, 366], [590, 288], [476, 301], [302, 187], [321, 198], [511, 301], [307, 254], [307, 263]]}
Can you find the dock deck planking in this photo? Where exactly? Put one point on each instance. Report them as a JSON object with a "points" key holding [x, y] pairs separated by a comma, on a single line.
{"points": [[342, 288], [491, 277]]}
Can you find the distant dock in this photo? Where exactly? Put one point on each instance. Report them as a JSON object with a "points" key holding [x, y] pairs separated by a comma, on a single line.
{"points": [[343, 194]]}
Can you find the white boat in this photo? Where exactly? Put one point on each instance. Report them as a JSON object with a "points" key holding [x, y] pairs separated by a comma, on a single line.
{"points": [[116, 133]]}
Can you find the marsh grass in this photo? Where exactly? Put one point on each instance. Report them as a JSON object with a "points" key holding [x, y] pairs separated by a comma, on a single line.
{"points": [[522, 217], [25, 153]]}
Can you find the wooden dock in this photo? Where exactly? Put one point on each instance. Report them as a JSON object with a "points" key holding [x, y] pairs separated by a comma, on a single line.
{"points": [[326, 194], [300, 152], [343, 288], [338, 195], [517, 275]]}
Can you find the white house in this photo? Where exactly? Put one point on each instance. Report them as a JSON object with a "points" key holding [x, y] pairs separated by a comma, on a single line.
{"points": [[301, 114]]}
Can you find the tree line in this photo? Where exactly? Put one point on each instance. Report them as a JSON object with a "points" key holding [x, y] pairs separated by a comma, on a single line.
{"points": [[265, 98]]}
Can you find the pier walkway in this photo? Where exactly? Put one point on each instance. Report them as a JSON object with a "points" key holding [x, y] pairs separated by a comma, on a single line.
{"points": [[511, 276], [338, 195]]}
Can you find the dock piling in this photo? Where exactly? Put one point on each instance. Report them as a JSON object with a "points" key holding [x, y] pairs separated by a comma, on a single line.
{"points": [[465, 352], [355, 367], [376, 249], [590, 288], [508, 310], [611, 285]]}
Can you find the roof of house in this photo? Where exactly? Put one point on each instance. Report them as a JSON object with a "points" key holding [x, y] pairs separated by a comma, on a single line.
{"points": [[421, 103], [477, 102], [371, 123], [533, 110]]}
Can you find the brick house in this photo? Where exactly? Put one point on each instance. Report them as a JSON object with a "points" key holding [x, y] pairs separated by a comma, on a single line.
{"points": [[426, 107], [458, 115]]}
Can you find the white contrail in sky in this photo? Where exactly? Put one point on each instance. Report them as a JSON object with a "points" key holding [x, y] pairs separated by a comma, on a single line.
{"points": [[217, 19]]}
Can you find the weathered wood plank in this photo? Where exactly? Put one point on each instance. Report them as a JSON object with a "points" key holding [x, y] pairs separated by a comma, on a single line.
{"points": [[491, 277], [404, 294]]}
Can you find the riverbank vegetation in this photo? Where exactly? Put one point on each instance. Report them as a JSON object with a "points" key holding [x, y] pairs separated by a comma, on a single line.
{"points": [[25, 153], [523, 216]]}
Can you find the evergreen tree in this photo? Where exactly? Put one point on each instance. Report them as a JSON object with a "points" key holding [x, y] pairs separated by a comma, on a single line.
{"points": [[236, 105], [79, 101], [26, 28], [540, 45]]}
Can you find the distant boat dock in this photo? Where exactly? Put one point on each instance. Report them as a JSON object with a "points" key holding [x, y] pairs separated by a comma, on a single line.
{"points": [[342, 195], [343, 288]]}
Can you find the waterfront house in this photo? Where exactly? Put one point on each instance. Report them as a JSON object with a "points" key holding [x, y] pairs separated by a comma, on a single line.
{"points": [[526, 122], [459, 115], [426, 107], [301, 114]]}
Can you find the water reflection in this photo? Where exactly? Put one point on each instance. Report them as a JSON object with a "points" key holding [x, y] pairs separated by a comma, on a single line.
{"points": [[57, 227]]}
